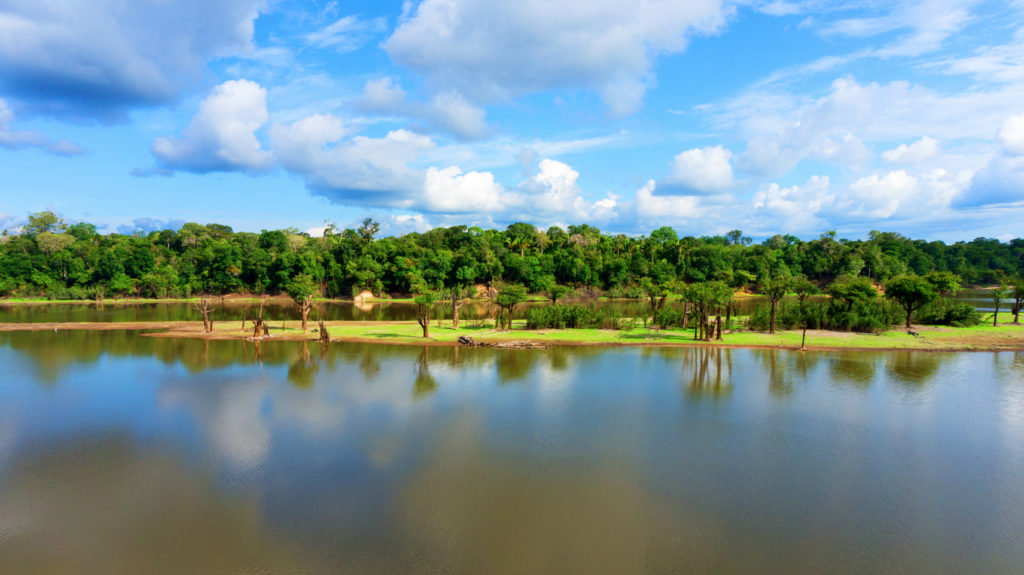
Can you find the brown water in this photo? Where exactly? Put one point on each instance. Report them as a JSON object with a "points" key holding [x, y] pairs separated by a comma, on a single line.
{"points": [[126, 454]]}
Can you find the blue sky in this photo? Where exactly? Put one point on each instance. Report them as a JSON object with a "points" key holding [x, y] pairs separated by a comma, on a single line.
{"points": [[705, 115]]}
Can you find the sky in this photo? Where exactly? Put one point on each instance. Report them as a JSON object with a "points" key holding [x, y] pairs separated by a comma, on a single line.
{"points": [[773, 117]]}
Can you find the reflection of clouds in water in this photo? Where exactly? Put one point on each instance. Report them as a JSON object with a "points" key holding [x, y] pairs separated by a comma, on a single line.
{"points": [[110, 506], [1010, 370], [231, 414], [8, 436], [473, 510]]}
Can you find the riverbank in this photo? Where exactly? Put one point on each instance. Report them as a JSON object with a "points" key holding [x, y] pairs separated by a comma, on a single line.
{"points": [[1005, 337]]}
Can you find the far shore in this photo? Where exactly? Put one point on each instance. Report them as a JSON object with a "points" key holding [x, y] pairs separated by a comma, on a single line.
{"points": [[1005, 337]]}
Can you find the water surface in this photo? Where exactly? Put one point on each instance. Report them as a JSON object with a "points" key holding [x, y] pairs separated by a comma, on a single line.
{"points": [[120, 453]]}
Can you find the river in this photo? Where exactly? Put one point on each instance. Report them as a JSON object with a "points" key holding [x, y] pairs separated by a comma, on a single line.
{"points": [[126, 454]]}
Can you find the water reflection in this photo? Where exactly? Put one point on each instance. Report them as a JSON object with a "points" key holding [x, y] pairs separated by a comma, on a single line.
{"points": [[389, 459], [708, 372], [912, 371], [101, 507]]}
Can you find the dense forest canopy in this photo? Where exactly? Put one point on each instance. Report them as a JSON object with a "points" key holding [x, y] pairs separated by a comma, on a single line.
{"points": [[50, 258]]}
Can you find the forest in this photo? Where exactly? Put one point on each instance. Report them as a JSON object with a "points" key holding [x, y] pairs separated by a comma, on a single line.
{"points": [[50, 259]]}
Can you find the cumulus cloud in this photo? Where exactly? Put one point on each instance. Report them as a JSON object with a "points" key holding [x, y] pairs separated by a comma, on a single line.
{"points": [[911, 154], [495, 50], [345, 169], [98, 59], [793, 209], [451, 112], [1011, 134], [450, 191], [382, 95], [446, 111], [21, 139], [676, 210], [147, 225], [782, 130], [900, 193], [222, 134], [702, 170]]}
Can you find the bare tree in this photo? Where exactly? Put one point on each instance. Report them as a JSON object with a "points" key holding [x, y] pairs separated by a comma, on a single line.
{"points": [[203, 307]]}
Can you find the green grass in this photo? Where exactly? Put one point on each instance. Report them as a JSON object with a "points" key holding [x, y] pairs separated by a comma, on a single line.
{"points": [[980, 337]]}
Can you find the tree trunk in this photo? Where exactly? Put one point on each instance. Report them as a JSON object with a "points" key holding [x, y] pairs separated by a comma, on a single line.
{"points": [[728, 314], [456, 306], [803, 338], [909, 312], [995, 316], [686, 313], [304, 308], [771, 321], [325, 336], [426, 328], [718, 325]]}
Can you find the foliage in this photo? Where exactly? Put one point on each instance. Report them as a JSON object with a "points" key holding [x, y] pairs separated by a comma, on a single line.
{"points": [[911, 292], [49, 258]]}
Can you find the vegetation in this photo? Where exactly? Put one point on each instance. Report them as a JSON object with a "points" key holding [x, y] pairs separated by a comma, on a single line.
{"points": [[50, 258]]}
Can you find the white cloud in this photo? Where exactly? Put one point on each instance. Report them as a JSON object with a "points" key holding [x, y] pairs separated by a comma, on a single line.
{"points": [[447, 111], [911, 154], [1011, 134], [382, 95], [450, 191], [344, 170], [782, 129], [793, 209], [703, 169], [221, 136], [495, 50], [20, 139], [450, 111], [100, 58], [899, 193], [926, 23], [346, 34], [675, 209]]}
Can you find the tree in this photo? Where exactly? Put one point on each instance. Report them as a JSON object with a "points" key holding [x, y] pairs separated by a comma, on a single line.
{"points": [[803, 288], [203, 307], [1018, 299], [774, 288], [852, 291], [508, 298], [369, 229], [946, 283], [997, 294], [656, 292], [42, 222], [302, 289], [424, 305], [911, 292]]}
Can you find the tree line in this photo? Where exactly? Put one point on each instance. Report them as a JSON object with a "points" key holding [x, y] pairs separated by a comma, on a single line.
{"points": [[50, 258]]}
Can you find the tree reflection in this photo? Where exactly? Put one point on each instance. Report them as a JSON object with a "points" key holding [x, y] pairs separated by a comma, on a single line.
{"points": [[856, 369], [302, 371], [424, 384], [705, 366], [913, 369]]}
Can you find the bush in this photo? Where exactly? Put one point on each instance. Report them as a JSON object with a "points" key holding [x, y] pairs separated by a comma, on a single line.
{"points": [[944, 312], [865, 317], [574, 316]]}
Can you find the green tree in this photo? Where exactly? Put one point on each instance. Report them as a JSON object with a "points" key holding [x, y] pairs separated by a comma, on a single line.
{"points": [[302, 289], [803, 288], [997, 294], [1018, 299], [851, 291], [508, 298], [774, 288], [424, 306], [911, 292]]}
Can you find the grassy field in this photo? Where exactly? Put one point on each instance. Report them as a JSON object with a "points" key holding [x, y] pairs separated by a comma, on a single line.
{"points": [[1006, 336]]}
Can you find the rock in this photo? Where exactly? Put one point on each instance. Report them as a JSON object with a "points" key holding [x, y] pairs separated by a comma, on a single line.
{"points": [[465, 340]]}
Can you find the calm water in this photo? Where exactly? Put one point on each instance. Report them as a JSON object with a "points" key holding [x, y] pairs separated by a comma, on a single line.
{"points": [[125, 454], [398, 311]]}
